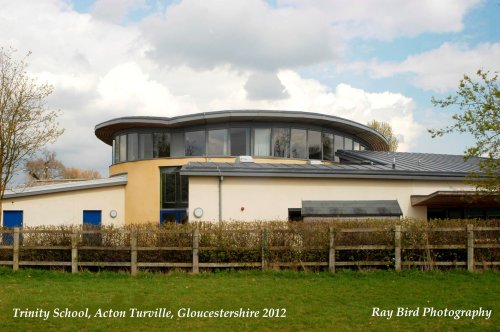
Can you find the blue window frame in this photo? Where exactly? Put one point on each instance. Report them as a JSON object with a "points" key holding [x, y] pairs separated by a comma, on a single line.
{"points": [[92, 217], [179, 216]]}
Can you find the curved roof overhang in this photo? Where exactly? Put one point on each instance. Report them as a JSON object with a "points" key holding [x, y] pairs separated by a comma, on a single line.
{"points": [[105, 131]]}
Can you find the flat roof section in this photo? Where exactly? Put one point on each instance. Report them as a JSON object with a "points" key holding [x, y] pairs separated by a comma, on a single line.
{"points": [[67, 186]]}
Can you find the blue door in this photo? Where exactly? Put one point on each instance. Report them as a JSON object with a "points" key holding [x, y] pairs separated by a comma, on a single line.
{"points": [[11, 219], [92, 220]]}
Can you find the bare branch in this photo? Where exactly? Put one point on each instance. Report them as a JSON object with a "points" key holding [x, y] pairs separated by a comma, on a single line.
{"points": [[26, 123]]}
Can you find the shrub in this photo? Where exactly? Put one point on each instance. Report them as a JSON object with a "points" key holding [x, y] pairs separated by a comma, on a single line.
{"points": [[292, 244]]}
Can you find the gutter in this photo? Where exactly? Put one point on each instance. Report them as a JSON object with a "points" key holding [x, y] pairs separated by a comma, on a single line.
{"points": [[387, 175]]}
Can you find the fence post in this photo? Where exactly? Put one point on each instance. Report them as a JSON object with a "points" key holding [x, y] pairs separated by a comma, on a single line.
{"points": [[196, 244], [397, 248], [15, 251], [74, 252], [133, 252], [265, 248], [331, 256], [470, 248]]}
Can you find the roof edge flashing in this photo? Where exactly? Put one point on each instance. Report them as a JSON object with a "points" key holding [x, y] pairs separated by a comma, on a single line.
{"points": [[105, 130]]}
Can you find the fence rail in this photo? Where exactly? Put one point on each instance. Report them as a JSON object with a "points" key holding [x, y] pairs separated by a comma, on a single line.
{"points": [[396, 260]]}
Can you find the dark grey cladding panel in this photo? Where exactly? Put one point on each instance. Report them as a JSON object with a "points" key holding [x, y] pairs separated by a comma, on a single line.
{"points": [[351, 208]]}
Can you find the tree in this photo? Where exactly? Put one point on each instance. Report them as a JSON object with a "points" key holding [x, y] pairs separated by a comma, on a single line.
{"points": [[47, 167], [26, 123], [44, 168], [386, 130], [81, 174], [479, 100]]}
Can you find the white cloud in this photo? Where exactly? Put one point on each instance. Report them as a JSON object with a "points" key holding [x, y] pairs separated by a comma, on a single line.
{"points": [[389, 19], [126, 89], [294, 33], [263, 85], [439, 69], [345, 101], [357, 105], [73, 52], [205, 55], [115, 10], [241, 33], [64, 41]]}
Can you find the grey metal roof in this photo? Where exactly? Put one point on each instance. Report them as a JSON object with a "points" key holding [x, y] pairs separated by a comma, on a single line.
{"points": [[351, 208], [408, 166], [105, 131], [413, 161], [67, 186]]}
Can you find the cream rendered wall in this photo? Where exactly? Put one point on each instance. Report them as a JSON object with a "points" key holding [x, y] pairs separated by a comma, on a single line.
{"points": [[142, 197], [65, 208], [204, 193], [270, 198]]}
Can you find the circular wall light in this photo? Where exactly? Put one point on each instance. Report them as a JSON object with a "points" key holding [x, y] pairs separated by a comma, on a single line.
{"points": [[113, 213], [198, 212]]}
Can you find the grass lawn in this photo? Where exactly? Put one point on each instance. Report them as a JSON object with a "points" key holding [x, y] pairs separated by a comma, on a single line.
{"points": [[322, 302]]}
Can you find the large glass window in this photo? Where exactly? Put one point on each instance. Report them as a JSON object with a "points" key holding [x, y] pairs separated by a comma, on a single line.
{"points": [[314, 142], [123, 147], [298, 144], [262, 142], [281, 142], [218, 142], [184, 186], [327, 146], [133, 146], [174, 188], [177, 145], [161, 145], [195, 143], [338, 145], [169, 188], [116, 149], [145, 146], [348, 143], [239, 141]]}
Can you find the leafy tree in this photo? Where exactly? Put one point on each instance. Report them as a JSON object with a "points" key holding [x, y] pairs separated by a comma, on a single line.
{"points": [[26, 124], [386, 130], [479, 100]]}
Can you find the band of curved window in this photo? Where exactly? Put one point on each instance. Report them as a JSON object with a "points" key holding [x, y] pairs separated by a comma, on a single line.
{"points": [[258, 142]]}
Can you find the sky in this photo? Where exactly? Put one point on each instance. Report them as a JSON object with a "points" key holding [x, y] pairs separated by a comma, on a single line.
{"points": [[360, 60]]}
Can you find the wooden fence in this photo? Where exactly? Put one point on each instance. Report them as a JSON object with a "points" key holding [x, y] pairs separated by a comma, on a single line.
{"points": [[265, 249]]}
